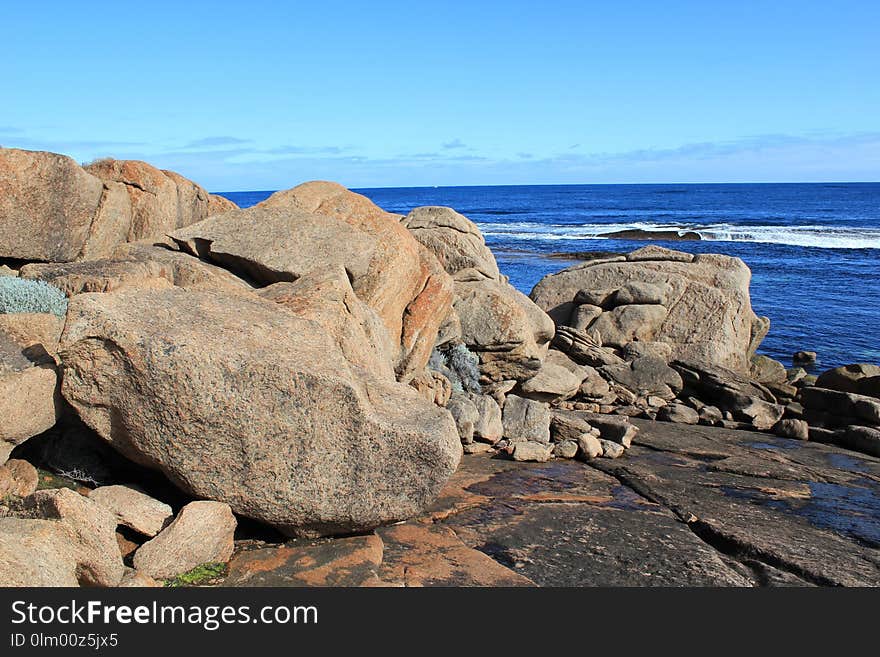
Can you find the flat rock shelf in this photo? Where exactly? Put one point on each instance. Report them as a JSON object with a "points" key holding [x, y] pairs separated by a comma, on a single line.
{"points": [[689, 506]]}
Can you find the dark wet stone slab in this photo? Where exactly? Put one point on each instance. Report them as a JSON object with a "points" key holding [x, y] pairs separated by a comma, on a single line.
{"points": [[811, 511], [564, 523]]}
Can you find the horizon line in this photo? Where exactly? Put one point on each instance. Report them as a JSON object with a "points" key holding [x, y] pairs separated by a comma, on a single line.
{"points": [[640, 184]]}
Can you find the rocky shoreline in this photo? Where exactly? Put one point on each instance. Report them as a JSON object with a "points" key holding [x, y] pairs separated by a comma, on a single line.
{"points": [[314, 391]]}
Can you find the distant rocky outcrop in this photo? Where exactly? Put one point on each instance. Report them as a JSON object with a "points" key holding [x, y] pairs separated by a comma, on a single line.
{"points": [[698, 305], [54, 210]]}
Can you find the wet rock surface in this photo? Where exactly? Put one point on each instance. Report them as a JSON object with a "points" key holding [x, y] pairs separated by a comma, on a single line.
{"points": [[810, 511]]}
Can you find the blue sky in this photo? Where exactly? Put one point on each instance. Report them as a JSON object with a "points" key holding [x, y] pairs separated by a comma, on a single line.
{"points": [[264, 95]]}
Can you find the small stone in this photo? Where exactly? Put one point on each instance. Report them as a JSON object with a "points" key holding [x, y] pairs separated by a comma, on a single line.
{"points": [[202, 533], [678, 413], [18, 478], [611, 450], [465, 413], [93, 533], [530, 450], [567, 426], [804, 357], [477, 448], [488, 426], [710, 415], [797, 429], [133, 508], [525, 419], [795, 375], [567, 449], [136, 579], [589, 445]]}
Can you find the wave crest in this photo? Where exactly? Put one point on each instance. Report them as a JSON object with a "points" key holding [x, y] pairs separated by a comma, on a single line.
{"points": [[825, 237]]}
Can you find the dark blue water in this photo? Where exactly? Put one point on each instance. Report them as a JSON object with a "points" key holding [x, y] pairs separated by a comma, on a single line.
{"points": [[814, 249]]}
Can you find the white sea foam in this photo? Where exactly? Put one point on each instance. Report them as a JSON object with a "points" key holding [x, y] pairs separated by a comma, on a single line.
{"points": [[827, 237]]}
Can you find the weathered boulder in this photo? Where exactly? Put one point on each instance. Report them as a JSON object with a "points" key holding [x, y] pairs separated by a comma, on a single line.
{"points": [[18, 478], [503, 326], [182, 269], [584, 348], [615, 428], [610, 449], [589, 446], [48, 205], [104, 275], [29, 402], [433, 386], [500, 324], [559, 378], [859, 378], [804, 358], [201, 533], [92, 534], [326, 297], [857, 409], [133, 508], [644, 376], [531, 450], [238, 402], [764, 369], [699, 305], [454, 239], [322, 225], [488, 427], [567, 449], [36, 553], [466, 416], [160, 201], [525, 419], [52, 209], [30, 329], [678, 413], [791, 428], [566, 426]]}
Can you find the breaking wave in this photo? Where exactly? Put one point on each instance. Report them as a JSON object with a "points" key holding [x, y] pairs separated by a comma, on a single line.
{"points": [[826, 237]]}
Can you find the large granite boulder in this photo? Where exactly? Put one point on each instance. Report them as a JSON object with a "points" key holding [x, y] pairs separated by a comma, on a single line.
{"points": [[238, 401], [454, 239], [318, 225], [326, 297], [159, 200], [858, 378], [52, 209], [503, 326], [699, 305]]}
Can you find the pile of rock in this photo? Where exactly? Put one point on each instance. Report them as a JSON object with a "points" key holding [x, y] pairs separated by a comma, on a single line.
{"points": [[319, 365], [843, 407]]}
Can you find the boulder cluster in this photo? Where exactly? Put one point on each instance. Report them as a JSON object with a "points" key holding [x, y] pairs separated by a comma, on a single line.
{"points": [[174, 365]]}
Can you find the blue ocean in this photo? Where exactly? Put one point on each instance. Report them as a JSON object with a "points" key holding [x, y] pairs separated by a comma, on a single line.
{"points": [[813, 248]]}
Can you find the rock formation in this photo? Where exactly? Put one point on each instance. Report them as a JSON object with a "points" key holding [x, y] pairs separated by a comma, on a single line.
{"points": [[52, 209]]}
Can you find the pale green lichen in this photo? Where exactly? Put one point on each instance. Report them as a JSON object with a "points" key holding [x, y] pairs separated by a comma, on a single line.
{"points": [[18, 295]]}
